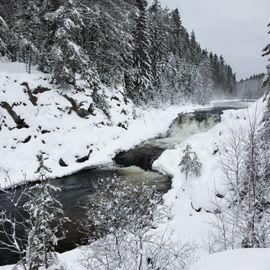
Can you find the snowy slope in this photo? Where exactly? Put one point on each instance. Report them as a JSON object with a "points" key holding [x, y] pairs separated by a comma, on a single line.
{"points": [[192, 200], [61, 133], [241, 259]]}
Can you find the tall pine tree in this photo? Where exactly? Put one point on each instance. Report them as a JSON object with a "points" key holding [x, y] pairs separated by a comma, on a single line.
{"points": [[266, 52], [142, 63], [66, 56], [47, 218]]}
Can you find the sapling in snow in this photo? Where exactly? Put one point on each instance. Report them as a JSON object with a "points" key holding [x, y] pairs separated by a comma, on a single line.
{"points": [[47, 219], [190, 164], [35, 225]]}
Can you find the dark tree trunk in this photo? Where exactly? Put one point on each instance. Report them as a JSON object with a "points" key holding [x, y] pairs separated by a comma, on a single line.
{"points": [[17, 119]]}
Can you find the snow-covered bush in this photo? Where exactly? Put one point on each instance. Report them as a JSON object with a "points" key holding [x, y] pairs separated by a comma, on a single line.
{"points": [[122, 219], [190, 164], [242, 216], [46, 218], [35, 223]]}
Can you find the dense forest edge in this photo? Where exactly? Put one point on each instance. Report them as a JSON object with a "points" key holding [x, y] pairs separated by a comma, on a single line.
{"points": [[86, 44], [252, 87]]}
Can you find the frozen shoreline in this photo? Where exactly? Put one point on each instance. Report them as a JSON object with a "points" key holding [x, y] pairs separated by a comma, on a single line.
{"points": [[61, 134]]}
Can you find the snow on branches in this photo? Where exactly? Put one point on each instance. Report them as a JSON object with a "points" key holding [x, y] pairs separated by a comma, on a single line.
{"points": [[190, 164]]}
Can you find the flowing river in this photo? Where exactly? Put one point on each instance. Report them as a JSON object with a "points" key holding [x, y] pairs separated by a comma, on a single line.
{"points": [[135, 165]]}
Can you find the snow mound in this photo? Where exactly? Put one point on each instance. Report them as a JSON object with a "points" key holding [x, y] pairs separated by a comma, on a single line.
{"points": [[240, 259]]}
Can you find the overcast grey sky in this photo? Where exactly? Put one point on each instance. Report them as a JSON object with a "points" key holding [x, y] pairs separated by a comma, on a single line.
{"points": [[237, 29]]}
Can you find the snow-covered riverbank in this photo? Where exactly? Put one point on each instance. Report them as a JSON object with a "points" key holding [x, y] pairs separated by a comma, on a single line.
{"points": [[61, 134], [190, 200]]}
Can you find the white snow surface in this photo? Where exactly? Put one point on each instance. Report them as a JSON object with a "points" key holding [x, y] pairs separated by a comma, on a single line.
{"points": [[59, 133], [238, 259], [199, 193], [72, 136]]}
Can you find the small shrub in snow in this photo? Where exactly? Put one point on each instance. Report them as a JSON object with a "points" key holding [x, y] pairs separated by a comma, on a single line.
{"points": [[190, 164], [46, 219], [35, 224], [122, 222]]}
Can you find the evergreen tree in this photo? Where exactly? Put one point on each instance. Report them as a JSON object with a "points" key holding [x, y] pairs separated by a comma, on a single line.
{"points": [[27, 30], [66, 56], [47, 219], [203, 82], [266, 51], [265, 129], [195, 49], [231, 81], [4, 30], [158, 49], [178, 33], [142, 63], [106, 39], [190, 164]]}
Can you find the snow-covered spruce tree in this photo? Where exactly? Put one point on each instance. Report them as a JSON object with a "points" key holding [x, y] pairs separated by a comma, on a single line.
{"points": [[142, 64], [47, 218], [266, 52], [265, 131], [66, 56], [230, 82], [107, 40], [203, 82], [177, 41], [195, 49], [190, 164], [122, 220], [27, 28], [4, 32], [158, 47]]}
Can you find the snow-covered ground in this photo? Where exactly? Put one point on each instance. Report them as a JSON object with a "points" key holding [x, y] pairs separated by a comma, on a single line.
{"points": [[70, 137], [187, 224], [239, 259], [63, 135], [199, 193]]}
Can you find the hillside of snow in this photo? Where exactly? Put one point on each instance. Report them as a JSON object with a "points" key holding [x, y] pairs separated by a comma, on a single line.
{"points": [[69, 141], [192, 200]]}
